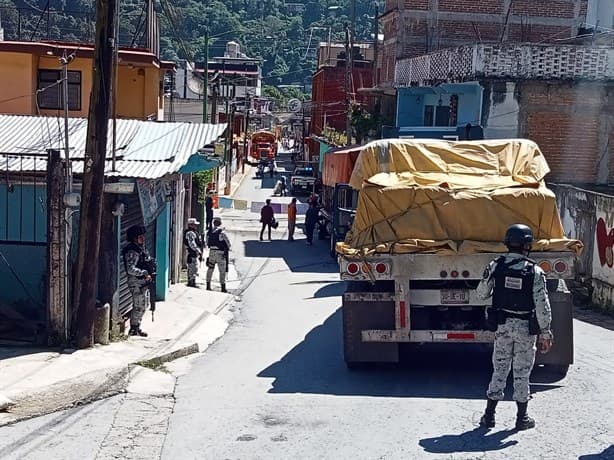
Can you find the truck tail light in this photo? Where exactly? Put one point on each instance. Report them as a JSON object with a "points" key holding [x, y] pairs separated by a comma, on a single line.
{"points": [[366, 268], [454, 274], [353, 268], [560, 266], [545, 266], [465, 273], [381, 268]]}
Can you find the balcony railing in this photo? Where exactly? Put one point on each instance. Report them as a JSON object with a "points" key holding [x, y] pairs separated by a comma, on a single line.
{"points": [[514, 61]]}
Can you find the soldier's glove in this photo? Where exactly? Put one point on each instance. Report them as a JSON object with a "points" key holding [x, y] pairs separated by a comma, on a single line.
{"points": [[544, 343]]}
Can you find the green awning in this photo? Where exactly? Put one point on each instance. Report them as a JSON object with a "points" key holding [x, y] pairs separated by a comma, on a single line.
{"points": [[198, 162]]}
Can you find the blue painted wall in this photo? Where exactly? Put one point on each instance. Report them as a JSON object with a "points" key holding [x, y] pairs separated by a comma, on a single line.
{"points": [[23, 213], [23, 249], [163, 231], [411, 102], [410, 108]]}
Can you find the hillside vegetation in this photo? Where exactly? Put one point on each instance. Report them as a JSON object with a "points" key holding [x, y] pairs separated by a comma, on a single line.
{"points": [[284, 35]]}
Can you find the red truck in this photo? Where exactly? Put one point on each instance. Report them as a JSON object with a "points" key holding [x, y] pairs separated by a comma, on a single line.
{"points": [[338, 198], [263, 146]]}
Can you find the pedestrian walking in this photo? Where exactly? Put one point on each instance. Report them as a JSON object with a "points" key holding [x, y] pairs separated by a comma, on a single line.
{"points": [[284, 187], [291, 219], [219, 247], [140, 269], [267, 217], [311, 219], [194, 245], [208, 210], [520, 315]]}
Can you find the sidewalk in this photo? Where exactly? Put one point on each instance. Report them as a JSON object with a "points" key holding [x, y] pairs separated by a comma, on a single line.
{"points": [[41, 381]]}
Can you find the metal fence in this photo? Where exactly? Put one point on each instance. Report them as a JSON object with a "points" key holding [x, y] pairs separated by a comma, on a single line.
{"points": [[23, 247]]}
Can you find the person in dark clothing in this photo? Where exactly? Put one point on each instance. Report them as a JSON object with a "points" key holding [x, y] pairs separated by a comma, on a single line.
{"points": [[208, 211], [311, 219], [271, 167], [267, 216]]}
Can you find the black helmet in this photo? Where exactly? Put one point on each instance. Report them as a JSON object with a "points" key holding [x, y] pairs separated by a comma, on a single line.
{"points": [[135, 231], [517, 235]]}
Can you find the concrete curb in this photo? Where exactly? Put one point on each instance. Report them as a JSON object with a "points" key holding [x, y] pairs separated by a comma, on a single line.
{"points": [[102, 383]]}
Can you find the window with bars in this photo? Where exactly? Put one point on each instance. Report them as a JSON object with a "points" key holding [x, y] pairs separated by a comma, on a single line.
{"points": [[50, 95]]}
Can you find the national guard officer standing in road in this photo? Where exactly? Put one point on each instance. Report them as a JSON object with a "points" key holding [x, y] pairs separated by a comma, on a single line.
{"points": [[139, 267], [520, 312], [219, 245], [194, 245]]}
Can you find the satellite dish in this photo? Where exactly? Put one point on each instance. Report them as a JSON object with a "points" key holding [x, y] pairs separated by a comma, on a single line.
{"points": [[194, 80], [294, 105]]}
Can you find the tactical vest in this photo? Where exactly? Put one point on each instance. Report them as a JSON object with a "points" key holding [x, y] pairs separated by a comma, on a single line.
{"points": [[215, 242], [198, 241], [144, 263], [513, 287]]}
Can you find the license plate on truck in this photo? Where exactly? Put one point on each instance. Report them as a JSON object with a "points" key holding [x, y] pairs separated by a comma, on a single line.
{"points": [[454, 296]]}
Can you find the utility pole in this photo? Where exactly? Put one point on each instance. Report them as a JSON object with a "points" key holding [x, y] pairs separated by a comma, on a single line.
{"points": [[246, 119], [227, 153], [206, 76], [348, 78], [86, 272], [64, 61]]}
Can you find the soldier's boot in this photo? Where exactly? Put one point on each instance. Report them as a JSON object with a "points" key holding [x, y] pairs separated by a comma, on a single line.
{"points": [[191, 283], [523, 421], [223, 287], [136, 330], [488, 419], [208, 285]]}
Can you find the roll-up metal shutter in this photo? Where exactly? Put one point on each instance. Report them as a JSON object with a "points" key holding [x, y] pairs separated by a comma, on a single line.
{"points": [[132, 216]]}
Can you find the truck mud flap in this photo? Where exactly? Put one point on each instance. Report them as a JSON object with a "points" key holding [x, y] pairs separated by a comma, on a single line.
{"points": [[359, 315], [561, 354]]}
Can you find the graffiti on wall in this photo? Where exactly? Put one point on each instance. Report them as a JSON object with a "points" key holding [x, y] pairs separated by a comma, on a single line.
{"points": [[605, 243]]}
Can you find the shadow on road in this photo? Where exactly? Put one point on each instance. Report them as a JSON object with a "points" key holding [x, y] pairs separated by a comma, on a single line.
{"points": [[330, 290], [316, 366], [607, 454], [477, 440], [297, 256]]}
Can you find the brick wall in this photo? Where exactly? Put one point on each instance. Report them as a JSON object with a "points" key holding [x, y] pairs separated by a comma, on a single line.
{"points": [[448, 23], [416, 4], [572, 124], [472, 6], [328, 96]]}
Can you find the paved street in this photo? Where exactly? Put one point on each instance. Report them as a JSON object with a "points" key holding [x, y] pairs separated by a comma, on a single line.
{"points": [[275, 385]]}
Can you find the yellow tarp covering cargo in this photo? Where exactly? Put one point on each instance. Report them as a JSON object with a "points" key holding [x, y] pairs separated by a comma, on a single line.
{"points": [[451, 197]]}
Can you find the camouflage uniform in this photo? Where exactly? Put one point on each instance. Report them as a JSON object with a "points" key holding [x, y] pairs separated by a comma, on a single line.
{"points": [[514, 347], [193, 243], [219, 245], [139, 288]]}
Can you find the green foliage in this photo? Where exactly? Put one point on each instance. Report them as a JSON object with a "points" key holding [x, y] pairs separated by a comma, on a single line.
{"points": [[283, 36], [199, 183], [363, 122], [334, 137]]}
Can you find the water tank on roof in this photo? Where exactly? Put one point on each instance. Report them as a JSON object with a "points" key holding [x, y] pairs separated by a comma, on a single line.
{"points": [[232, 49]]}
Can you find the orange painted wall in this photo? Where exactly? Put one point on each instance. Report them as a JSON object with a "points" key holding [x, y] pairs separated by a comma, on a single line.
{"points": [[138, 96], [16, 84]]}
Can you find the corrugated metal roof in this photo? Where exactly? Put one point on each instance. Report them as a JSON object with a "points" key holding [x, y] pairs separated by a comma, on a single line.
{"points": [[146, 149]]}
